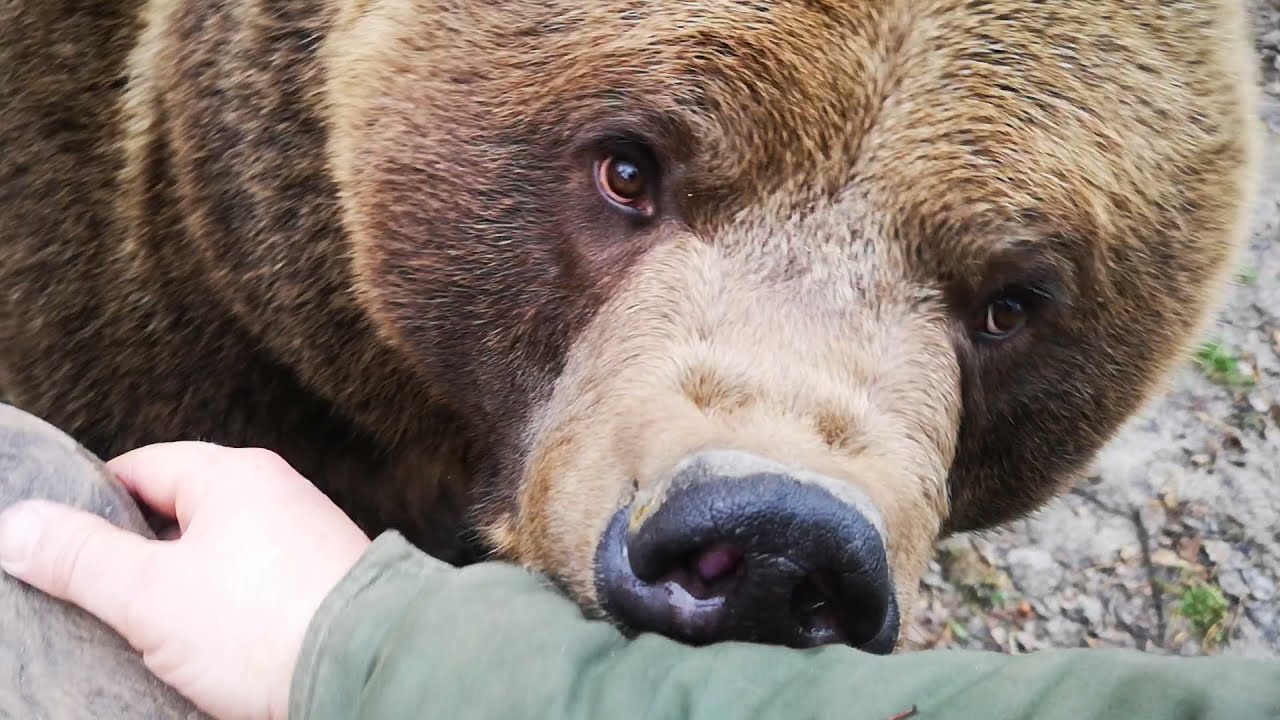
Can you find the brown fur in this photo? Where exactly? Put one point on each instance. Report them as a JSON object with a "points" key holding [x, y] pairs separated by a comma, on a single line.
{"points": [[364, 234]]}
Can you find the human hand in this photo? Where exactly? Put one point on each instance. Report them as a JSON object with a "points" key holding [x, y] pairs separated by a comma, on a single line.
{"points": [[220, 612]]}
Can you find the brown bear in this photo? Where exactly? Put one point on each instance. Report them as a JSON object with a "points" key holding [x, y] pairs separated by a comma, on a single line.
{"points": [[717, 313]]}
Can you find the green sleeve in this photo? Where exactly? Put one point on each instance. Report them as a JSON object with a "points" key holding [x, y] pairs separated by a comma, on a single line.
{"points": [[406, 636]]}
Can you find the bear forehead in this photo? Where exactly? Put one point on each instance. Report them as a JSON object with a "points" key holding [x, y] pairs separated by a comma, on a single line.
{"points": [[1107, 132], [943, 117]]}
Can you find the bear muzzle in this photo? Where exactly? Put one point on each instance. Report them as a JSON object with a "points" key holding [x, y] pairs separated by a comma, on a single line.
{"points": [[737, 548]]}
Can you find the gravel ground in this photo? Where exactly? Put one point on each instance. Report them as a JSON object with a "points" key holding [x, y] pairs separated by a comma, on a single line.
{"points": [[1173, 544]]}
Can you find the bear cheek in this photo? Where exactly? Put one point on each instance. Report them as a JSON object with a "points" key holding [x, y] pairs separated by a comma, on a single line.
{"points": [[1036, 420]]}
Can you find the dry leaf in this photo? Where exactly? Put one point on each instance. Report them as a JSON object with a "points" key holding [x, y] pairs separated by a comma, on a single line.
{"points": [[1164, 557], [1189, 549]]}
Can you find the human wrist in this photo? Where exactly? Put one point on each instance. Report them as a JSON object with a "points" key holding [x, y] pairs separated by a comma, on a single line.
{"points": [[344, 633]]}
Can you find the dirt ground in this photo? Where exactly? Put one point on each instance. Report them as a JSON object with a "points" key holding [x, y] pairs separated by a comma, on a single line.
{"points": [[1173, 544]]}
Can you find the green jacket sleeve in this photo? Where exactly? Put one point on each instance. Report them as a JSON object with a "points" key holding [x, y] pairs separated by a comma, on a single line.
{"points": [[407, 636]]}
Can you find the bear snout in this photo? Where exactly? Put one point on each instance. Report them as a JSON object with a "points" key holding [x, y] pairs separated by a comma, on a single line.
{"points": [[766, 556]]}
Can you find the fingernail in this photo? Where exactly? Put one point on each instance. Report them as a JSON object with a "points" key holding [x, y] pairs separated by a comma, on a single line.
{"points": [[19, 532]]}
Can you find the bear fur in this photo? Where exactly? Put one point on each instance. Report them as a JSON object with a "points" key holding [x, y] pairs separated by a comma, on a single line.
{"points": [[367, 235]]}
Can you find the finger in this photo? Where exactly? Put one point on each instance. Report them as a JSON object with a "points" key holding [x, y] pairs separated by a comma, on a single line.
{"points": [[169, 477], [75, 556]]}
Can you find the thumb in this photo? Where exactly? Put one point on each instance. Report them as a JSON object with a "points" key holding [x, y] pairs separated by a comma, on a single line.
{"points": [[74, 556]]}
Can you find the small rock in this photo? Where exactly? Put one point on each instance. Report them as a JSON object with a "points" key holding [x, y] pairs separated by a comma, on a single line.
{"points": [[1189, 548], [932, 577], [1091, 609], [1248, 368], [1000, 636], [1267, 617], [1199, 460], [1046, 606], [1060, 632], [1219, 551], [1026, 642], [1034, 571], [1196, 518], [1153, 517], [1259, 403], [1233, 584], [1231, 441], [1133, 614], [1261, 586], [1114, 638], [985, 550]]}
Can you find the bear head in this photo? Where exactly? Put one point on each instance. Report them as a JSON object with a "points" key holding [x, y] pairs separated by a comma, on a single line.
{"points": [[749, 303]]}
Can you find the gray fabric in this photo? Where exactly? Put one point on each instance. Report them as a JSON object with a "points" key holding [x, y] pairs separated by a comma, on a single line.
{"points": [[56, 661]]}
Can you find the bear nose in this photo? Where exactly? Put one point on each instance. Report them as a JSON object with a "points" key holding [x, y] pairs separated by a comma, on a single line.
{"points": [[762, 557]]}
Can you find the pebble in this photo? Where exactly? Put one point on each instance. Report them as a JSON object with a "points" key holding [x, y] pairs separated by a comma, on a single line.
{"points": [[1102, 545], [1027, 642], [1133, 614], [1219, 551], [1259, 403], [1153, 517], [1034, 571], [1000, 636], [985, 550], [1091, 609], [1233, 584], [1048, 606], [1262, 586]]}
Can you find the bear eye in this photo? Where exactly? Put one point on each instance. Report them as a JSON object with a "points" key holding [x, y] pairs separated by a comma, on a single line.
{"points": [[626, 181], [1005, 316], [1007, 312]]}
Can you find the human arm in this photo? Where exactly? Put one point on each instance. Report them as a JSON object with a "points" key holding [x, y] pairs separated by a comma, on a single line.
{"points": [[404, 635], [271, 604]]}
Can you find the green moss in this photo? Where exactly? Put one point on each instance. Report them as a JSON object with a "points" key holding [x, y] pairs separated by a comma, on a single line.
{"points": [[1221, 364], [1247, 276], [1205, 607]]}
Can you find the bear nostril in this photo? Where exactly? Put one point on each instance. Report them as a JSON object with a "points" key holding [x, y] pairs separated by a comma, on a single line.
{"points": [[708, 575], [828, 612], [718, 562], [812, 607]]}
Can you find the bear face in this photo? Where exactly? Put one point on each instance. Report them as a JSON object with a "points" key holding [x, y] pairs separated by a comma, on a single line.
{"points": [[718, 313], [721, 280]]}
